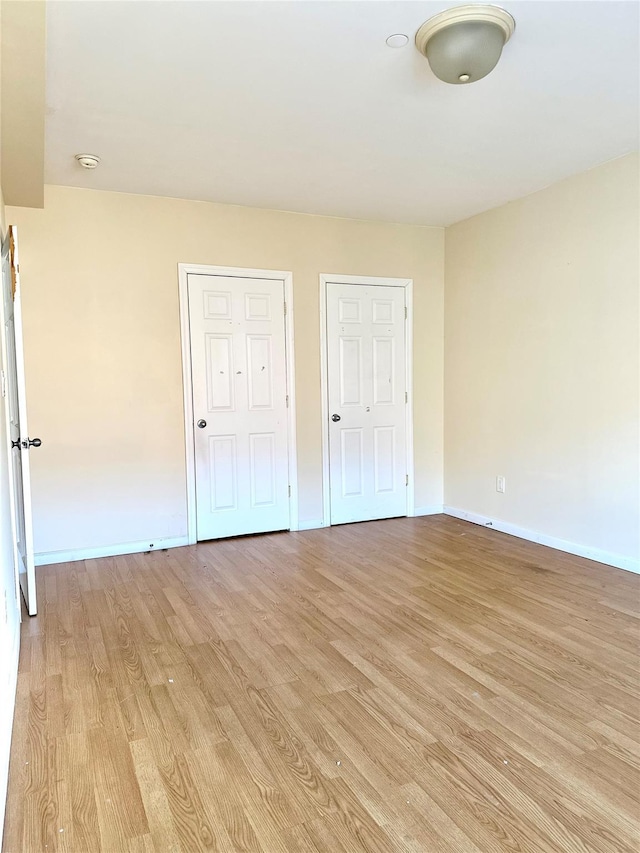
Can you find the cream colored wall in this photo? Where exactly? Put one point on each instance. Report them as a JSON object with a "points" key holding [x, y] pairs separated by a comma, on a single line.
{"points": [[541, 361], [23, 78], [103, 363]]}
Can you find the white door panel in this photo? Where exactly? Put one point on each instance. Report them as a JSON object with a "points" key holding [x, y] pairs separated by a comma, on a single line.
{"points": [[16, 409], [366, 340], [238, 359]]}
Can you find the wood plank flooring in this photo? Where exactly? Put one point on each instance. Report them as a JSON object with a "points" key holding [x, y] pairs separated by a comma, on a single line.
{"points": [[420, 685]]}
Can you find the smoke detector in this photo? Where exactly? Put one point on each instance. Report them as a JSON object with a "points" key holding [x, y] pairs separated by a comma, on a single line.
{"points": [[88, 161]]}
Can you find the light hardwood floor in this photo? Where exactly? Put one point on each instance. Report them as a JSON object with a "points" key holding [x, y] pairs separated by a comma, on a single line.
{"points": [[418, 685]]}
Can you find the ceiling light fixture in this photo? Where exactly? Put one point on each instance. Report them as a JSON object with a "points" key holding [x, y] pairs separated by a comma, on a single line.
{"points": [[397, 40], [464, 44], [88, 161]]}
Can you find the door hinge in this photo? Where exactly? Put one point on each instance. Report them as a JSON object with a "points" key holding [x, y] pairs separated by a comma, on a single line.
{"points": [[406, 481], [406, 396], [289, 491], [287, 399], [405, 312], [285, 308]]}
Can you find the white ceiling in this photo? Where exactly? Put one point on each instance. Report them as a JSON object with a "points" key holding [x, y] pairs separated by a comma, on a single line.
{"points": [[301, 105]]}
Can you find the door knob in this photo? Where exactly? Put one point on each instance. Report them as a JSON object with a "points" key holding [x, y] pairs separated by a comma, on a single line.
{"points": [[25, 443], [335, 418], [201, 424]]}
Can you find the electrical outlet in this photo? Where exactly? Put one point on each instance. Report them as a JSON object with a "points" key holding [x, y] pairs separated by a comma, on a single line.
{"points": [[500, 485]]}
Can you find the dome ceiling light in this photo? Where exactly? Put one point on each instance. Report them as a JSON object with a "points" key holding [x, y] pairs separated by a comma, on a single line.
{"points": [[464, 44]]}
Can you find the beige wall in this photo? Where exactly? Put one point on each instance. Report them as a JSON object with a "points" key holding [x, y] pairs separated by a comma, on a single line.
{"points": [[23, 78], [100, 294], [541, 361]]}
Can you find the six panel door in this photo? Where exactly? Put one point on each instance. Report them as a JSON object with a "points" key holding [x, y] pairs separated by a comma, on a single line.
{"points": [[238, 360], [367, 402]]}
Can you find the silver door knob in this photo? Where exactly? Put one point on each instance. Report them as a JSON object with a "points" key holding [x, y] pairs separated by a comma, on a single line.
{"points": [[335, 418], [201, 424]]}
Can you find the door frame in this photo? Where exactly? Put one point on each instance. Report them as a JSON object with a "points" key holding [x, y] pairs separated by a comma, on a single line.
{"points": [[371, 281], [184, 270]]}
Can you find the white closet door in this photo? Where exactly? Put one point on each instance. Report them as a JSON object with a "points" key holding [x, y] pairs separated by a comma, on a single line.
{"points": [[366, 342], [238, 359]]}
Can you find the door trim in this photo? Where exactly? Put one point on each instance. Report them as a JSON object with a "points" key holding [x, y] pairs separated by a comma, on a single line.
{"points": [[286, 278], [372, 281]]}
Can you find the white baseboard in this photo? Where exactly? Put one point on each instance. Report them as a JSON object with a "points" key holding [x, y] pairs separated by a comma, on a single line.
{"points": [[619, 561], [433, 509], [51, 557], [311, 525], [7, 710]]}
